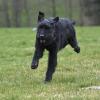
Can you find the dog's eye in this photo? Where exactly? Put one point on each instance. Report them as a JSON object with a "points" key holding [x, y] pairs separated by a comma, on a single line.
{"points": [[47, 27], [44, 27], [52, 24], [41, 27]]}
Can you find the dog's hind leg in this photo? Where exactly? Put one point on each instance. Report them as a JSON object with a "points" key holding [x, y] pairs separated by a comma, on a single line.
{"points": [[74, 44], [73, 40]]}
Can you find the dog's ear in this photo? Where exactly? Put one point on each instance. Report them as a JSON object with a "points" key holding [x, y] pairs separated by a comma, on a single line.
{"points": [[40, 16], [56, 19]]}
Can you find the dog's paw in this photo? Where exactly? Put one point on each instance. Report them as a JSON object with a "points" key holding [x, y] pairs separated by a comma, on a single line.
{"points": [[77, 49], [48, 79], [34, 65]]}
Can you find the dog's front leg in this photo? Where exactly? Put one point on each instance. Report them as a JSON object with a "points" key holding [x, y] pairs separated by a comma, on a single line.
{"points": [[52, 62], [37, 55]]}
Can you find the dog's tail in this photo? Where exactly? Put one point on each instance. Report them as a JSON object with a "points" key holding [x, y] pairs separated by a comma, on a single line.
{"points": [[73, 22]]}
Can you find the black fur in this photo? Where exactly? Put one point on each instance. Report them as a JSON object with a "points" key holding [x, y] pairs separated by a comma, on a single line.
{"points": [[53, 34]]}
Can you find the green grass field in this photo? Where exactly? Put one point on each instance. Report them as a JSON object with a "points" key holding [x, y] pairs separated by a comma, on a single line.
{"points": [[74, 72]]}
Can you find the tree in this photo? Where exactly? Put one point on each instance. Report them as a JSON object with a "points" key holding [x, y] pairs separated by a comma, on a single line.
{"points": [[70, 9], [6, 13], [81, 12], [53, 8], [92, 12], [27, 12], [16, 12]]}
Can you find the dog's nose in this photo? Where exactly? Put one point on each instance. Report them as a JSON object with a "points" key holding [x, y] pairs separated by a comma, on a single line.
{"points": [[42, 36]]}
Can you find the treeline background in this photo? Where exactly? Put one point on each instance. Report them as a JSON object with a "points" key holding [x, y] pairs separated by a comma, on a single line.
{"points": [[23, 13]]}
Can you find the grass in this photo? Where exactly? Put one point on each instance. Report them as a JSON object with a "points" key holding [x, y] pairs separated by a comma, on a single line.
{"points": [[74, 72]]}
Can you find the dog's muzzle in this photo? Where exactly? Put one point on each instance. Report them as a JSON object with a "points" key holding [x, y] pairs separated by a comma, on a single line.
{"points": [[46, 40], [42, 39]]}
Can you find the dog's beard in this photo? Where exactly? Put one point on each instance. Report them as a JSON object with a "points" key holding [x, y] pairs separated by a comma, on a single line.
{"points": [[42, 41]]}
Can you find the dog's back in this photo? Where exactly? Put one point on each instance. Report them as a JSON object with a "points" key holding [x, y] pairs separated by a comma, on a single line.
{"points": [[65, 30]]}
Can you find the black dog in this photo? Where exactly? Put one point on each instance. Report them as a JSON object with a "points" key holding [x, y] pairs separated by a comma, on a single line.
{"points": [[53, 34]]}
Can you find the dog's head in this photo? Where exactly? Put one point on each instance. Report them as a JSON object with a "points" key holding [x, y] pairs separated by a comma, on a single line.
{"points": [[46, 29]]}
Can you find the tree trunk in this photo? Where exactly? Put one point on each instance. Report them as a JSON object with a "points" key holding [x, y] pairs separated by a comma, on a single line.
{"points": [[70, 9], [53, 8], [66, 7], [81, 12], [92, 12], [6, 13], [16, 12], [27, 12]]}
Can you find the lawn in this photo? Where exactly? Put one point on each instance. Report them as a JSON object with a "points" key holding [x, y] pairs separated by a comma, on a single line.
{"points": [[74, 73]]}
